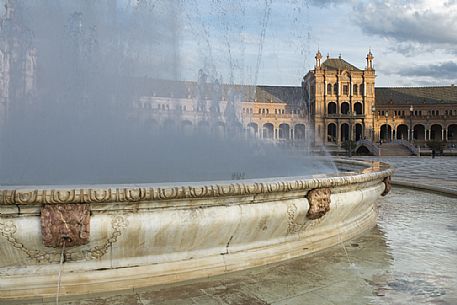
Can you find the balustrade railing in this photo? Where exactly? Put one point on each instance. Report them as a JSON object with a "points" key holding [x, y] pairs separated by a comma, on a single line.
{"points": [[408, 145], [370, 146]]}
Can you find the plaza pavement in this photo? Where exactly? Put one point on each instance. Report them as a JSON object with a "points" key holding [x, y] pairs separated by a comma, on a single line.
{"points": [[438, 174]]}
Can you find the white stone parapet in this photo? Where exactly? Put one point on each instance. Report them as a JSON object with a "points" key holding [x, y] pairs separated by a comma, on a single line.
{"points": [[149, 234]]}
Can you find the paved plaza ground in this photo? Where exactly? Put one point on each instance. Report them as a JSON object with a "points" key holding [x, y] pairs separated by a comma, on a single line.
{"points": [[438, 173]]}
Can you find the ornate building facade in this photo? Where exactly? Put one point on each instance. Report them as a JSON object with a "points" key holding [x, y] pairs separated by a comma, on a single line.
{"points": [[417, 114], [340, 98], [337, 102], [17, 61]]}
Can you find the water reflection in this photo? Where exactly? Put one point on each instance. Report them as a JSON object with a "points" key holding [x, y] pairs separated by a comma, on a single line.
{"points": [[408, 258]]}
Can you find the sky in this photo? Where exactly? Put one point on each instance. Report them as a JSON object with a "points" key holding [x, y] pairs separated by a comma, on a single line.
{"points": [[272, 42]]}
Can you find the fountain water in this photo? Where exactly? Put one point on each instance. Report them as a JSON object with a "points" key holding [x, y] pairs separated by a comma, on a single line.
{"points": [[136, 205]]}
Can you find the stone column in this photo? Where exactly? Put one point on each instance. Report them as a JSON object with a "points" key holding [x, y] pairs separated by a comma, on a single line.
{"points": [[338, 133], [442, 134]]}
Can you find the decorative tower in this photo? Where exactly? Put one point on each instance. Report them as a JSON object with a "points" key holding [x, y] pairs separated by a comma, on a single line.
{"points": [[318, 58], [370, 58]]}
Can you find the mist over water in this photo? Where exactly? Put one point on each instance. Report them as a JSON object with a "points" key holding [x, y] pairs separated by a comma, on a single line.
{"points": [[72, 71]]}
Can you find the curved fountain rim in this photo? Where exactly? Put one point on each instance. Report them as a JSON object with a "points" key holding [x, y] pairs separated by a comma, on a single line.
{"points": [[124, 193]]}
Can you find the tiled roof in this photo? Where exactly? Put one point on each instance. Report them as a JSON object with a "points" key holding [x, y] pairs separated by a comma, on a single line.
{"points": [[338, 64], [416, 95], [282, 94]]}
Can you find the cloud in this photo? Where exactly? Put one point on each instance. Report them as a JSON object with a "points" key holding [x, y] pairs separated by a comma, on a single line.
{"points": [[445, 70], [427, 22], [326, 3]]}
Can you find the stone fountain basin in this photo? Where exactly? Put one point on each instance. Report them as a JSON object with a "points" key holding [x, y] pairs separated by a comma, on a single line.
{"points": [[133, 236]]}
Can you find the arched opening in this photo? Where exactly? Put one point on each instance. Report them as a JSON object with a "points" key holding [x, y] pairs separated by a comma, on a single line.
{"points": [[252, 129], [331, 108], [203, 127], [331, 133], [345, 108], [363, 151], [329, 89], [169, 125], [452, 132], [358, 132], [299, 132], [284, 131], [335, 89], [358, 108], [436, 132], [419, 132], [268, 131], [186, 127], [219, 129], [386, 133], [402, 132], [344, 132]]}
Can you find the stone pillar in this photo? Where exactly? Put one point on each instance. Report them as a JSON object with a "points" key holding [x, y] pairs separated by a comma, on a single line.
{"points": [[338, 132], [275, 133], [291, 133], [442, 134]]}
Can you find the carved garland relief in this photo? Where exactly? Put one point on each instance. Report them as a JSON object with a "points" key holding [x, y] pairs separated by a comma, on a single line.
{"points": [[118, 223]]}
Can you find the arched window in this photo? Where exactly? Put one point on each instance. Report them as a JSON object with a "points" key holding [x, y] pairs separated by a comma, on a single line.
{"points": [[329, 89], [331, 108], [335, 89], [354, 89], [345, 108], [362, 88]]}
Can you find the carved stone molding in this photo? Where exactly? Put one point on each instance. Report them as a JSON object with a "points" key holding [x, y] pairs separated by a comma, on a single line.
{"points": [[319, 203], [65, 223], [123, 194], [388, 185]]}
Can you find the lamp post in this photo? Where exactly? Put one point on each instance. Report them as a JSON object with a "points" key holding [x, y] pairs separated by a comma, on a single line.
{"points": [[373, 110], [350, 134], [411, 109], [387, 125]]}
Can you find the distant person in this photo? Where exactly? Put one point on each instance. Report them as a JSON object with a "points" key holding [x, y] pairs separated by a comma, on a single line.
{"points": [[433, 153]]}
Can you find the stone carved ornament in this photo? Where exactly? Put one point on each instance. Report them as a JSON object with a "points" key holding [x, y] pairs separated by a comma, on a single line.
{"points": [[388, 185], [319, 203], [67, 224]]}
